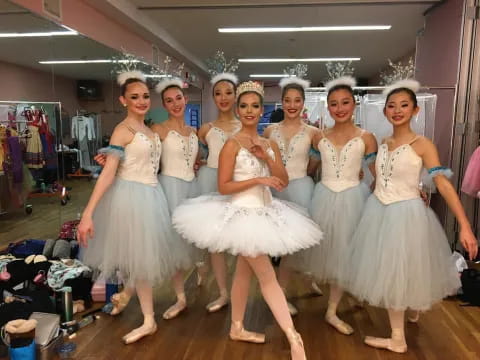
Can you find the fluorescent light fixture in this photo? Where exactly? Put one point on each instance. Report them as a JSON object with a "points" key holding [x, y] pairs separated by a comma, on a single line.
{"points": [[268, 75], [304, 28], [38, 34], [267, 60], [98, 61], [157, 76]]}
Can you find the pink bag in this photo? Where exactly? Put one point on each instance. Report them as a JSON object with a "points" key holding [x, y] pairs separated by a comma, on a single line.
{"points": [[98, 292], [471, 180]]}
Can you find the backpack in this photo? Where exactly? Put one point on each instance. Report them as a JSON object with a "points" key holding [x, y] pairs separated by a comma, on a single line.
{"points": [[471, 286]]}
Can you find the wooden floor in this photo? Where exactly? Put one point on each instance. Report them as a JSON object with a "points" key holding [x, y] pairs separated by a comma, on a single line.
{"points": [[448, 332], [47, 216]]}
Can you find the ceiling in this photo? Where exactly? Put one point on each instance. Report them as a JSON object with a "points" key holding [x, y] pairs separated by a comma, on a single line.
{"points": [[28, 51], [194, 24]]}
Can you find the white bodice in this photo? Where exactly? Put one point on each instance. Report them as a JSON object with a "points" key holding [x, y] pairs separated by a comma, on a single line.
{"points": [[296, 153], [179, 155], [215, 139], [398, 174], [341, 166], [247, 167], [142, 159]]}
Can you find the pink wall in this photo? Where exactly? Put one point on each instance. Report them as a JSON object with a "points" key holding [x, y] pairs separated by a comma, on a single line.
{"points": [[22, 83], [437, 64]]}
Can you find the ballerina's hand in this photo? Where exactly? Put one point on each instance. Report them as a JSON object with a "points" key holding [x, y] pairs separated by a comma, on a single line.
{"points": [[258, 151], [101, 159], [273, 182], [469, 243], [85, 231]]}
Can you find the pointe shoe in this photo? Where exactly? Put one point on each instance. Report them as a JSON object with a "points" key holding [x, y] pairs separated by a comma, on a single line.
{"points": [[175, 310], [292, 309], [218, 304], [413, 316], [119, 302], [386, 344], [340, 325], [238, 333], [139, 333], [295, 340]]}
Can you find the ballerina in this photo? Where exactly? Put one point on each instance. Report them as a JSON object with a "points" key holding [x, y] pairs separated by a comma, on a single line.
{"points": [[249, 222], [400, 258]]}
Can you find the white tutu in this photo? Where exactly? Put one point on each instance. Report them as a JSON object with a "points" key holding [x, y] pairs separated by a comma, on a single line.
{"points": [[338, 214], [298, 191], [400, 257], [133, 235], [212, 222], [207, 180]]}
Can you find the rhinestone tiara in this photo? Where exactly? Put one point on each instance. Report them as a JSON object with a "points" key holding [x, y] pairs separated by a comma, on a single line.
{"points": [[250, 86]]}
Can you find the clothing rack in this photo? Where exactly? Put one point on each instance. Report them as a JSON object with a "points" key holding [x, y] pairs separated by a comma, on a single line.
{"points": [[44, 117]]}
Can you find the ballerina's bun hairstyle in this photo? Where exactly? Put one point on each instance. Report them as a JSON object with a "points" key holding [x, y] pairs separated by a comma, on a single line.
{"points": [[168, 83], [341, 83], [295, 83], [225, 76], [409, 86], [129, 77]]}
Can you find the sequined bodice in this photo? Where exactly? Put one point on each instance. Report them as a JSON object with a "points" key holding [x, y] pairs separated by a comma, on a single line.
{"points": [[341, 166], [142, 159], [398, 174], [295, 153], [247, 167], [215, 138], [179, 155]]}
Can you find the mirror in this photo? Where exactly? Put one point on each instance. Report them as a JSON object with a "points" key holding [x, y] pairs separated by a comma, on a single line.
{"points": [[77, 103]]}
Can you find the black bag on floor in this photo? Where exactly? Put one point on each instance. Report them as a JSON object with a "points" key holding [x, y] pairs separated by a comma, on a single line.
{"points": [[471, 286]]}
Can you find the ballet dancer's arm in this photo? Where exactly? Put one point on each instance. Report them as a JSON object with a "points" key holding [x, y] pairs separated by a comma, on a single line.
{"points": [[428, 151], [120, 137], [226, 165]]}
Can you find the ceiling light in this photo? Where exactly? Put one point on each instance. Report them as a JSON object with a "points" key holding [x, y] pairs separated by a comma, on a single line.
{"points": [[265, 60], [38, 34], [304, 28], [156, 76], [99, 61], [268, 75]]}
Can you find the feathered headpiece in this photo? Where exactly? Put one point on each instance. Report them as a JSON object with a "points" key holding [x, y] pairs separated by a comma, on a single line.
{"points": [[294, 80], [224, 76], [167, 82], [343, 80], [250, 86], [411, 84], [124, 76]]}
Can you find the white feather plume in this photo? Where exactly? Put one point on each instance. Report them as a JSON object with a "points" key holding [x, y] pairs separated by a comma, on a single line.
{"points": [[411, 84], [166, 82], [294, 80], [227, 76], [124, 76], [342, 80]]}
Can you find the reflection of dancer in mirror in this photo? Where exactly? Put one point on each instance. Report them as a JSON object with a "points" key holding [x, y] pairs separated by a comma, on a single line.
{"points": [[400, 257], [339, 198], [250, 223], [294, 137], [126, 223], [213, 136]]}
